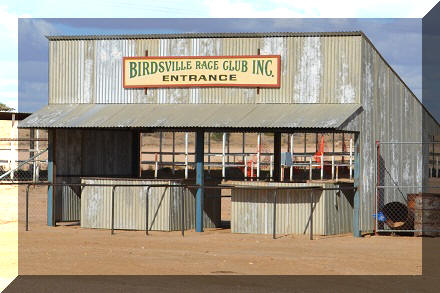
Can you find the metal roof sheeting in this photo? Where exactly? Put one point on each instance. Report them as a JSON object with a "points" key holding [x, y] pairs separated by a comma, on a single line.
{"points": [[204, 35], [191, 115]]}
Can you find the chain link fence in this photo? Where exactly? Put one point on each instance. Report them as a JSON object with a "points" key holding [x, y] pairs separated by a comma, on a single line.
{"points": [[23, 159], [408, 188]]}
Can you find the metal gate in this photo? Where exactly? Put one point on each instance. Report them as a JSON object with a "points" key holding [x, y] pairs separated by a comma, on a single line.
{"points": [[407, 187]]}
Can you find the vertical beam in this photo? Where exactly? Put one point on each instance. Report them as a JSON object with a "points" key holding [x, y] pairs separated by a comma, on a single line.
{"points": [[186, 155], [305, 146], [174, 151], [223, 156], [199, 180], [277, 156], [209, 152], [291, 153], [136, 154], [357, 194], [31, 151], [258, 155], [160, 146], [51, 176], [243, 147]]}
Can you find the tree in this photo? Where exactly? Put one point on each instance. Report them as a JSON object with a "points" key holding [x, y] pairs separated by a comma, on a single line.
{"points": [[6, 108]]}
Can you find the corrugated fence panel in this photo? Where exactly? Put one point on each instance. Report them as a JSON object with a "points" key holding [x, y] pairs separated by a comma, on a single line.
{"points": [[252, 210], [164, 206]]}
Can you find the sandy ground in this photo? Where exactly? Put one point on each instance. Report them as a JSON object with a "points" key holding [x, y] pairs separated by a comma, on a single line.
{"points": [[8, 235], [69, 249]]}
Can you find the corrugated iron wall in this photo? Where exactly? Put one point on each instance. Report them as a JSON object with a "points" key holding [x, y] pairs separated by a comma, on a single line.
{"points": [[390, 113], [164, 206], [314, 69], [252, 210]]}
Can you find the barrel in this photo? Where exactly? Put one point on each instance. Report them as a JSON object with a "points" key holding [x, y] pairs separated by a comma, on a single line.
{"points": [[425, 208]]}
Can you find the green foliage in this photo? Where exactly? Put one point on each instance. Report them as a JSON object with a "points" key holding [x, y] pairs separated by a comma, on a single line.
{"points": [[4, 107]]}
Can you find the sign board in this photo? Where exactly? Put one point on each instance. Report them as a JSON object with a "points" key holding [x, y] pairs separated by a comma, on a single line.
{"points": [[202, 71]]}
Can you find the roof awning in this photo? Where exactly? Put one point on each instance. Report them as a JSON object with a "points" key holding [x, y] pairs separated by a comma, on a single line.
{"points": [[191, 116]]}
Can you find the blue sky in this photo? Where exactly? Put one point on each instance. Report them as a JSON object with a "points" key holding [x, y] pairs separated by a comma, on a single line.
{"points": [[399, 40]]}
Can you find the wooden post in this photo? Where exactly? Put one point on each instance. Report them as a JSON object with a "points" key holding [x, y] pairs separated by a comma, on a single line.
{"points": [[277, 156], [243, 149], [258, 154], [209, 152], [351, 158], [155, 165], [160, 147], [322, 167], [310, 168], [37, 150], [337, 172], [245, 167], [186, 155], [51, 174], [333, 167], [305, 146], [174, 150], [271, 167], [291, 153], [223, 156]]}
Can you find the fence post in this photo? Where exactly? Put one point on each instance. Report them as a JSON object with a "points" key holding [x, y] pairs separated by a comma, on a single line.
{"points": [[258, 155], [245, 167], [333, 167], [311, 214], [186, 155], [223, 155], [183, 210], [27, 207], [146, 210], [274, 213], [113, 209]]}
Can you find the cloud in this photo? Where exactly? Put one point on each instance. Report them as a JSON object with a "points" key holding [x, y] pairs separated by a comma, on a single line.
{"points": [[319, 8]]}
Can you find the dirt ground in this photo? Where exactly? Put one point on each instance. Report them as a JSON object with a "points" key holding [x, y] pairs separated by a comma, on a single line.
{"points": [[70, 249]]}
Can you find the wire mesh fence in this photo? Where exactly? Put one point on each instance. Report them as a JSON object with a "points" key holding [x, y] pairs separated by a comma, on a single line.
{"points": [[408, 188], [23, 159]]}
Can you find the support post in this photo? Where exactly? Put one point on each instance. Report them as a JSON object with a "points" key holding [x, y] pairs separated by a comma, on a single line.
{"points": [[274, 214], [356, 201], [209, 152], [182, 194], [174, 153], [277, 156], [199, 180], [27, 207], [333, 167], [223, 156], [258, 155], [271, 167], [160, 146], [310, 168], [51, 176], [322, 167], [136, 154], [245, 167], [291, 153], [311, 214], [351, 158], [243, 148], [146, 210], [113, 209], [186, 155]]}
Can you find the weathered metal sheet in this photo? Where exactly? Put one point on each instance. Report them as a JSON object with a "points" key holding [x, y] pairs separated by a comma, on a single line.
{"points": [[164, 206], [252, 210], [315, 68], [227, 115], [391, 112]]}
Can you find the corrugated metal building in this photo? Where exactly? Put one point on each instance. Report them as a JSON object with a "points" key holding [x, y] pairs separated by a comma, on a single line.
{"points": [[329, 82]]}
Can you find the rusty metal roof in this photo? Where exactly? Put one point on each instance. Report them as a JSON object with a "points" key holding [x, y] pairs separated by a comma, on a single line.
{"points": [[191, 116]]}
